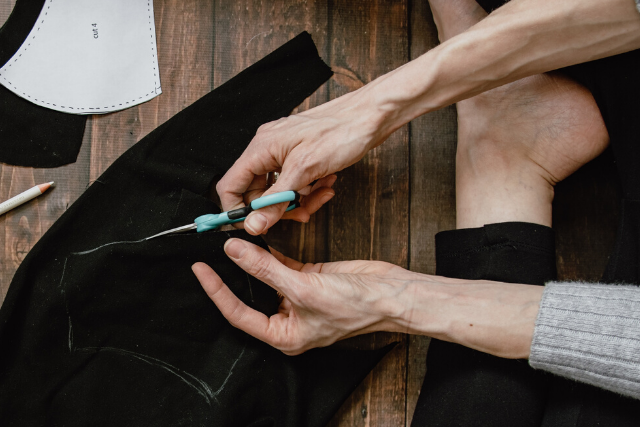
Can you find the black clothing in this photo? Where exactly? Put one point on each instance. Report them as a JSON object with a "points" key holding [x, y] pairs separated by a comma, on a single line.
{"points": [[31, 135], [464, 387], [101, 328]]}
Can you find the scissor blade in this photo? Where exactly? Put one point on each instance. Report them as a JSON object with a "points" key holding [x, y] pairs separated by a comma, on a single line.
{"points": [[175, 230]]}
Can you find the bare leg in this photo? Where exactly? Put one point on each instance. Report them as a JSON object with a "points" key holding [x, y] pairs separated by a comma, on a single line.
{"points": [[514, 144], [517, 141]]}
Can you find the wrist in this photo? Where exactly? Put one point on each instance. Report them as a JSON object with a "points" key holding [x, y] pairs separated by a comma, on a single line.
{"points": [[396, 98], [493, 317]]}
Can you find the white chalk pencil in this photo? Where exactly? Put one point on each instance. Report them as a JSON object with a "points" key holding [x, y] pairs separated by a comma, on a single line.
{"points": [[24, 197]]}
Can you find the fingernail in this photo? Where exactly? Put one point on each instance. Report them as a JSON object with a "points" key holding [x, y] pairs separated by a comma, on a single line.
{"points": [[235, 248], [327, 197], [256, 223]]}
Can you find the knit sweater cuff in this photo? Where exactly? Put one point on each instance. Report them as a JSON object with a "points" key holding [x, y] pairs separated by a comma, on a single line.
{"points": [[590, 332]]}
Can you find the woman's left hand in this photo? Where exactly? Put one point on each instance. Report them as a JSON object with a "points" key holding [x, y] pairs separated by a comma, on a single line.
{"points": [[322, 303], [326, 302]]}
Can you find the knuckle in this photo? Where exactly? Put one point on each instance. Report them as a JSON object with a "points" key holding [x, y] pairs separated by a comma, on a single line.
{"points": [[220, 185], [235, 314], [264, 128], [292, 351], [304, 293], [260, 266], [308, 164]]}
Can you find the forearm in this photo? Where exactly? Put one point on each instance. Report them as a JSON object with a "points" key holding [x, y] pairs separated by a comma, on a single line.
{"points": [[524, 37], [492, 317]]}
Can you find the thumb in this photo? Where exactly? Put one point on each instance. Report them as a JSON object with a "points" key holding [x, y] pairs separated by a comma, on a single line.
{"points": [[260, 221], [259, 263]]}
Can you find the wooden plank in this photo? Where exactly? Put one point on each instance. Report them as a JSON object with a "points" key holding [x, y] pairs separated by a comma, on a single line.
{"points": [[248, 30], [433, 209], [184, 33], [21, 228], [369, 218], [185, 72]]}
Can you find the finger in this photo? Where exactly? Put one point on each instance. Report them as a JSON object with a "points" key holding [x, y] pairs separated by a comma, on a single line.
{"points": [[260, 264], [305, 191], [299, 214], [286, 261], [234, 183], [357, 267], [235, 311], [310, 205], [259, 221], [256, 189], [255, 161], [285, 307], [317, 196], [317, 199], [327, 181]]}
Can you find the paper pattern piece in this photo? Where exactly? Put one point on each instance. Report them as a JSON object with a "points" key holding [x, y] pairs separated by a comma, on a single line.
{"points": [[87, 57]]}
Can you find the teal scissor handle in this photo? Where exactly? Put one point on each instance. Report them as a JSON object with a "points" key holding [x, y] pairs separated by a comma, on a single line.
{"points": [[213, 221]]}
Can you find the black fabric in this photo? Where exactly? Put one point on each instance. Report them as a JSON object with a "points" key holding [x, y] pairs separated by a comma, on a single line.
{"points": [[31, 135], [505, 252], [615, 87], [100, 328], [465, 387], [498, 392]]}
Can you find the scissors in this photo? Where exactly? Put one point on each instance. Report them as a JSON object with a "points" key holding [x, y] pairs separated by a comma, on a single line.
{"points": [[213, 221]]}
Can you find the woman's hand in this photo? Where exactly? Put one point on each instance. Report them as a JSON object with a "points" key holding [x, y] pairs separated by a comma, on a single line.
{"points": [[326, 302], [322, 303], [520, 39], [305, 147], [313, 197]]}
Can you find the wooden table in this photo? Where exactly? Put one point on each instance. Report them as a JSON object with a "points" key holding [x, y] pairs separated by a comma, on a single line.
{"points": [[403, 190]]}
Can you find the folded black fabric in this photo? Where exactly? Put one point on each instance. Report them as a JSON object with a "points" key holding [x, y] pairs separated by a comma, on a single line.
{"points": [[102, 328], [517, 252], [31, 135], [465, 387], [491, 391]]}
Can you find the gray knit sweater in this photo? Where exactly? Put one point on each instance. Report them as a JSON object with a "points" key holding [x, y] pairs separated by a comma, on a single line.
{"points": [[590, 332]]}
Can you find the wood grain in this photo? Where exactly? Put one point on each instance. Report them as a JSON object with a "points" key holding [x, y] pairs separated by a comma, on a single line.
{"points": [[433, 208], [21, 228], [184, 33], [388, 206], [369, 217], [248, 30]]}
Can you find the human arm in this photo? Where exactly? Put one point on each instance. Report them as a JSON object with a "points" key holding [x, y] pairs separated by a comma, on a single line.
{"points": [[581, 331], [522, 38], [327, 302]]}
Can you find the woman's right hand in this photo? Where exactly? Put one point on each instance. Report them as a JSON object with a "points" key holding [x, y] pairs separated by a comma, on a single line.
{"points": [[304, 147]]}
